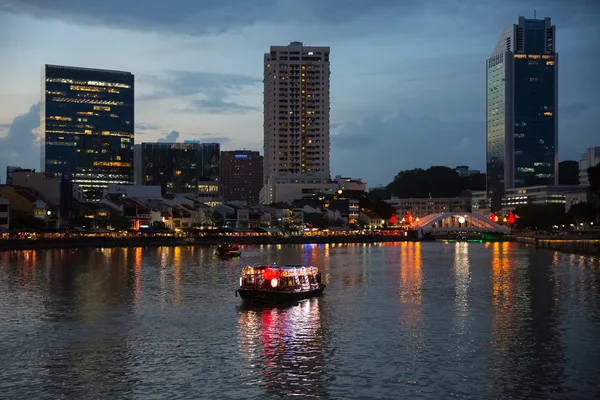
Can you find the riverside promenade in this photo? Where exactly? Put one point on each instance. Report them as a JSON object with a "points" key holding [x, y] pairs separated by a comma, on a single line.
{"points": [[580, 244], [109, 242]]}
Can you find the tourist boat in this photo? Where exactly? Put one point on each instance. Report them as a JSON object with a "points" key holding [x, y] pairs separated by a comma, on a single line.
{"points": [[279, 284], [228, 250]]}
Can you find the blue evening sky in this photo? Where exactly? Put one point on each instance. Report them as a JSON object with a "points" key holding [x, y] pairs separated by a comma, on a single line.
{"points": [[408, 76]]}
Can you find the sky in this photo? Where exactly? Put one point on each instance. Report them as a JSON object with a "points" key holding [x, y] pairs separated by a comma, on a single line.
{"points": [[407, 76]]}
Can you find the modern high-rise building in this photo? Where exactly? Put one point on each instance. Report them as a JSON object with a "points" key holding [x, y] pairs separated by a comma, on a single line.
{"points": [[296, 114], [87, 126], [522, 109], [241, 174], [188, 167], [590, 158]]}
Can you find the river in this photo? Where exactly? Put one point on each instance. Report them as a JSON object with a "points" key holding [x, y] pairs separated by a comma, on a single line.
{"points": [[398, 320]]}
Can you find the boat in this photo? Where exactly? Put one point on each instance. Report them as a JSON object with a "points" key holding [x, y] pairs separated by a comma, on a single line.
{"points": [[228, 250], [271, 284], [461, 237]]}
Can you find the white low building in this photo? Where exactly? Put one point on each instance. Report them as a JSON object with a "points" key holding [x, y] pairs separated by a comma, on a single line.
{"points": [[286, 190]]}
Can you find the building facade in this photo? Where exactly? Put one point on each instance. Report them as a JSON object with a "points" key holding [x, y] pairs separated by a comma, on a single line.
{"points": [[296, 113], [538, 195], [522, 109], [189, 167], [4, 214], [590, 158], [422, 207], [87, 126], [241, 173], [11, 170], [57, 190]]}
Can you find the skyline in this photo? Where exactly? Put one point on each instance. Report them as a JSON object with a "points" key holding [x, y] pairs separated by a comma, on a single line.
{"points": [[406, 99]]}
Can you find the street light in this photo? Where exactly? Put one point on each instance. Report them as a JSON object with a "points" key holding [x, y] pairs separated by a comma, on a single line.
{"points": [[461, 220]]}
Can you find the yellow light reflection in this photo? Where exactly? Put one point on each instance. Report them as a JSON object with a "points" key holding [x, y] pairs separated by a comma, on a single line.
{"points": [[137, 271], [462, 275], [410, 273], [177, 273]]}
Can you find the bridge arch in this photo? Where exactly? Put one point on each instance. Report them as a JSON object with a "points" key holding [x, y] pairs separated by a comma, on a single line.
{"points": [[458, 222]]}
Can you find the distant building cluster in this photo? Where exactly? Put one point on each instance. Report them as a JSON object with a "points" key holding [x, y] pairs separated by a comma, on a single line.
{"points": [[92, 168]]}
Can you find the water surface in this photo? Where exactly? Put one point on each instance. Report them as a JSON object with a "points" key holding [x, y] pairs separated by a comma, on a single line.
{"points": [[405, 320]]}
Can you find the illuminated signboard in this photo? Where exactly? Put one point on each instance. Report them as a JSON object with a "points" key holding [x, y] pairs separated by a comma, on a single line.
{"points": [[241, 156]]}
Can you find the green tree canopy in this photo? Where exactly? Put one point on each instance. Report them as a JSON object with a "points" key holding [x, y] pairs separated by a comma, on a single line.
{"points": [[436, 181], [540, 217], [582, 212], [119, 222]]}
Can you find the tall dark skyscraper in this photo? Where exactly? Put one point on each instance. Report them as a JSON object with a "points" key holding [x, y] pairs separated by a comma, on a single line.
{"points": [[241, 174], [189, 167], [87, 120], [522, 109]]}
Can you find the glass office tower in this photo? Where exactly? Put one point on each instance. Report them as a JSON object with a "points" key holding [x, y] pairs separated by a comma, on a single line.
{"points": [[87, 126], [522, 109], [189, 167]]}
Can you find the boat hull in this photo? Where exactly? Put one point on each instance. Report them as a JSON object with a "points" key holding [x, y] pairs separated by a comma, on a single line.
{"points": [[232, 253], [275, 297]]}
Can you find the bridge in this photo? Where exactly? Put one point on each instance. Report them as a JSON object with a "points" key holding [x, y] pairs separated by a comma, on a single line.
{"points": [[457, 222]]}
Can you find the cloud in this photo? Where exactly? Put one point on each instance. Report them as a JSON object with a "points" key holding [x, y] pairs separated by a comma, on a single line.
{"points": [[215, 139], [20, 147], [575, 110], [206, 92], [142, 128], [170, 137], [215, 17], [404, 142], [4, 129]]}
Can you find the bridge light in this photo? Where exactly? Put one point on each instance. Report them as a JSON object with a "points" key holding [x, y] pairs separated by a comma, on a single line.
{"points": [[461, 220]]}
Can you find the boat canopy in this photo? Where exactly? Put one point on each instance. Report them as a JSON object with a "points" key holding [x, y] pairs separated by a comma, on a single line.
{"points": [[280, 270]]}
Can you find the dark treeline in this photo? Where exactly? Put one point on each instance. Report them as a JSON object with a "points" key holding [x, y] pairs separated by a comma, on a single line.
{"points": [[436, 181]]}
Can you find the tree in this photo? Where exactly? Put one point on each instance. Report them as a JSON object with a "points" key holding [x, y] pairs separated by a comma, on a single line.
{"points": [[26, 221], [158, 225], [568, 172], [540, 217], [436, 181], [119, 222], [379, 207], [582, 213], [216, 219], [317, 220], [594, 179]]}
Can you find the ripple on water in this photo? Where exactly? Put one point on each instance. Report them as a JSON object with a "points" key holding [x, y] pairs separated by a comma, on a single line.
{"points": [[415, 320]]}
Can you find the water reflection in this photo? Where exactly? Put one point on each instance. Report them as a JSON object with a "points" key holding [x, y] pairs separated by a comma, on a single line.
{"points": [[470, 320], [525, 324], [283, 349], [462, 277], [411, 279]]}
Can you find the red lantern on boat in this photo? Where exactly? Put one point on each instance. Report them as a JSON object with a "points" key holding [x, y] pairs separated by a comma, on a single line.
{"points": [[511, 218], [269, 274]]}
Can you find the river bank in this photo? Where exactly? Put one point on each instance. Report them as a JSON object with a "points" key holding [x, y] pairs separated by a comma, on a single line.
{"points": [[571, 245], [71, 243], [578, 245]]}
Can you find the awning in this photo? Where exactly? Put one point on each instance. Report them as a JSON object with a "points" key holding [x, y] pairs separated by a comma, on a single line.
{"points": [[271, 230]]}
